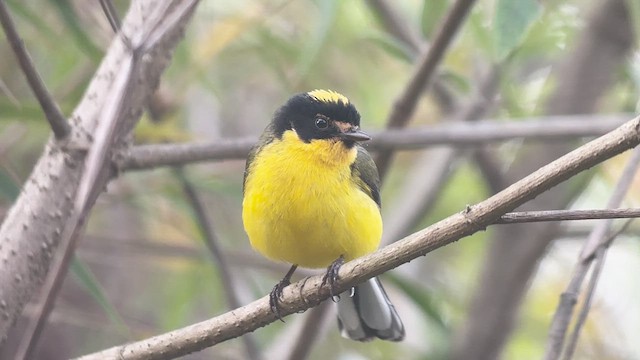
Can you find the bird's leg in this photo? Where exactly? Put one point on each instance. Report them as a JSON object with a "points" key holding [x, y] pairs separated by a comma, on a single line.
{"points": [[276, 292], [331, 277]]}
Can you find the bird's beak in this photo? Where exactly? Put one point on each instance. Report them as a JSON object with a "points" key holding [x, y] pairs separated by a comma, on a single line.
{"points": [[355, 135]]}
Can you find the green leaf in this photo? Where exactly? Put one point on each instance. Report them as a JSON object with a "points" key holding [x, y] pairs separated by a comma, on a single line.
{"points": [[90, 283], [391, 46], [312, 50], [8, 187], [458, 81], [634, 14], [33, 19], [78, 32], [432, 15], [511, 23]]}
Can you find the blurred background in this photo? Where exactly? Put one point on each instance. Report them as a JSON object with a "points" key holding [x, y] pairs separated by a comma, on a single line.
{"points": [[143, 267]]}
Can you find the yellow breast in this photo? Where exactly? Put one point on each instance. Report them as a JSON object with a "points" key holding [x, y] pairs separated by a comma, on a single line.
{"points": [[301, 205]]}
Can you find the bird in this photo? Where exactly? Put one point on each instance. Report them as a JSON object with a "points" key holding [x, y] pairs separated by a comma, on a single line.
{"points": [[311, 198]]}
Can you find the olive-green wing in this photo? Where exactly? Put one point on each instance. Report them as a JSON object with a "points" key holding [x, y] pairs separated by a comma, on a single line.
{"points": [[266, 138], [365, 173]]}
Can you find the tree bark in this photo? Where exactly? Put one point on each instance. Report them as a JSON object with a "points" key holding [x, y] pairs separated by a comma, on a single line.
{"points": [[33, 227]]}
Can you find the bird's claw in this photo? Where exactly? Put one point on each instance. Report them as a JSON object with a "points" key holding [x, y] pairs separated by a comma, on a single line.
{"points": [[274, 297], [331, 277]]}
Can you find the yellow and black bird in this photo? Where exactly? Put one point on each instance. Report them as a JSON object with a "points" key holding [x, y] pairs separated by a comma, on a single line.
{"points": [[311, 199]]}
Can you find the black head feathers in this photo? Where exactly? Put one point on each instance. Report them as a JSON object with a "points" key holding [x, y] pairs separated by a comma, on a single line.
{"points": [[316, 115]]}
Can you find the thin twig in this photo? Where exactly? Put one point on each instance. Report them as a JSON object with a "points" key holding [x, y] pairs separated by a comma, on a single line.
{"points": [[52, 112], [590, 292], [111, 14], [219, 260], [597, 239], [564, 215], [406, 103], [457, 134], [305, 294]]}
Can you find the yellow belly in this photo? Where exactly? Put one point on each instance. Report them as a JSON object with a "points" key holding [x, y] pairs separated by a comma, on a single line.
{"points": [[303, 208]]}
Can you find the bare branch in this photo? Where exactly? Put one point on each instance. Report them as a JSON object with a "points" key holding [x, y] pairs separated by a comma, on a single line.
{"points": [[406, 103], [564, 215], [111, 14], [52, 112], [457, 134], [309, 292], [600, 256], [597, 240]]}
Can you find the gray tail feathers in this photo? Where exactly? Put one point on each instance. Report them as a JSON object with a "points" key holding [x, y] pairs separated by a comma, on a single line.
{"points": [[368, 314]]}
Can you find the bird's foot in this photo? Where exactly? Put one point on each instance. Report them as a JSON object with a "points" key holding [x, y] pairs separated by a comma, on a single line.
{"points": [[274, 297], [331, 277], [276, 292]]}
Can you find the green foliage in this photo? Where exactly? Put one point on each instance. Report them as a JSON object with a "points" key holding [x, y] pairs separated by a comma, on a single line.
{"points": [[9, 190], [512, 19], [432, 15], [91, 284], [312, 48], [77, 30]]}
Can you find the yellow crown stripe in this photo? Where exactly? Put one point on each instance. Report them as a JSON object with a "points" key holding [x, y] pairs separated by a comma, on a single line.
{"points": [[328, 96]]}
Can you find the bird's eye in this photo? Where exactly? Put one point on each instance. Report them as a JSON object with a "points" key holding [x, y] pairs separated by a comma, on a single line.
{"points": [[321, 123]]}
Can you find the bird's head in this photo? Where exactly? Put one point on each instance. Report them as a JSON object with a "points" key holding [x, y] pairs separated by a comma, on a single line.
{"points": [[318, 115]]}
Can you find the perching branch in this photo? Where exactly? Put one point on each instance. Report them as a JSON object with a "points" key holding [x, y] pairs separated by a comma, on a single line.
{"points": [[309, 292], [52, 112], [457, 134]]}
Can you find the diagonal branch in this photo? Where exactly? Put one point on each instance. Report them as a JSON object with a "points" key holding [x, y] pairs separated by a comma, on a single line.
{"points": [[309, 292], [52, 112]]}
